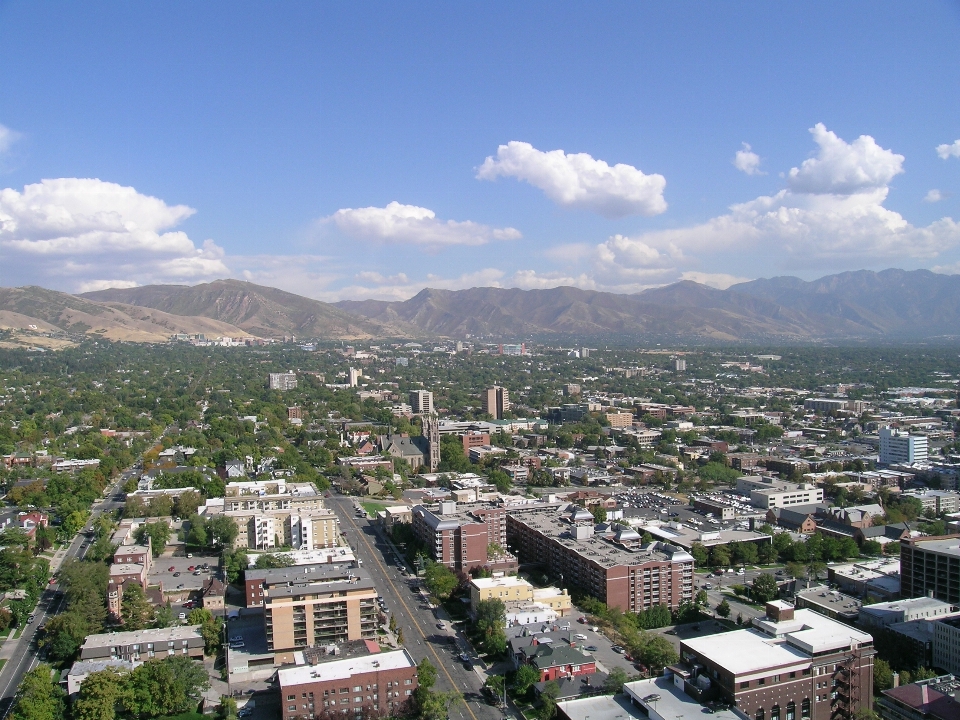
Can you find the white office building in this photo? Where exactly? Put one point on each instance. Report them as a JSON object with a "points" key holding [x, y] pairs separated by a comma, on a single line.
{"points": [[421, 401], [901, 448]]}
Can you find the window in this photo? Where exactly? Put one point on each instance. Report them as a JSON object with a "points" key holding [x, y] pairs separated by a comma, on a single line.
{"points": [[805, 709], [791, 710], [292, 708], [793, 675], [776, 678], [762, 681], [291, 697], [408, 681], [357, 688], [744, 685], [806, 671], [775, 712], [760, 714]]}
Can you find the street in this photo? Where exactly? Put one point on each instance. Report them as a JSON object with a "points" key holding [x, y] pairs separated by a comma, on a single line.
{"points": [[422, 638], [22, 654]]}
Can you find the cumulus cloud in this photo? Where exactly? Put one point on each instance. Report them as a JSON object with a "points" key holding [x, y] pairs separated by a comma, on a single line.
{"points": [[933, 196], [747, 161], [94, 285], [7, 138], [397, 223], [843, 168], [953, 150], [84, 230], [578, 180]]}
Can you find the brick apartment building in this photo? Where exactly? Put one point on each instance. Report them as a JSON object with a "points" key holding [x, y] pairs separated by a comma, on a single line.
{"points": [[791, 665], [474, 439], [351, 684], [332, 604], [619, 570], [459, 535], [145, 644]]}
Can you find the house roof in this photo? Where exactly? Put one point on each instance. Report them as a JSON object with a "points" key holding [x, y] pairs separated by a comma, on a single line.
{"points": [[547, 656]]}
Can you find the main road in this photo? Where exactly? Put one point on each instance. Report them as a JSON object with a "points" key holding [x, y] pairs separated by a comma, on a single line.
{"points": [[24, 655], [422, 638]]}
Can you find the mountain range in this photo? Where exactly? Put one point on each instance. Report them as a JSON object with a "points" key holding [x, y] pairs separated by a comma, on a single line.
{"points": [[861, 305]]}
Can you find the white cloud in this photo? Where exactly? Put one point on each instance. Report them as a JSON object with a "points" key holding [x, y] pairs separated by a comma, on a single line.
{"points": [[7, 138], [578, 180], [534, 280], [933, 196], [377, 278], [747, 161], [721, 281], [94, 285], [945, 151], [398, 223], [843, 168], [83, 230]]}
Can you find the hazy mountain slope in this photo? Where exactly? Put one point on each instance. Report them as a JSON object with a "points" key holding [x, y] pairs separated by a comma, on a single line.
{"points": [[50, 310], [864, 304], [263, 311]]}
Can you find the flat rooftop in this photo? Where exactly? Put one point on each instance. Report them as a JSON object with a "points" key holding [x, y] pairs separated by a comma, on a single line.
{"points": [[830, 599], [776, 644], [945, 546], [345, 668], [306, 557], [154, 635], [666, 702], [912, 605], [505, 581]]}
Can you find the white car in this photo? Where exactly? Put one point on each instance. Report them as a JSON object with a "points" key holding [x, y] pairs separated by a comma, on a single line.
{"points": [[182, 616], [579, 636], [740, 571], [236, 638]]}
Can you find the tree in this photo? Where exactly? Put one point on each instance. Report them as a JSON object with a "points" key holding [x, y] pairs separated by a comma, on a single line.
{"points": [[211, 628], [524, 679], [767, 554], [882, 676], [871, 547], [228, 708], [235, 565], [198, 531], [764, 588], [223, 530], [99, 695], [136, 612], [159, 534], [719, 556], [816, 568], [701, 598], [548, 700], [165, 687], [723, 608], [657, 652], [400, 636], [440, 580], [163, 616], [700, 555], [187, 503], [795, 570], [615, 680], [38, 697], [599, 513]]}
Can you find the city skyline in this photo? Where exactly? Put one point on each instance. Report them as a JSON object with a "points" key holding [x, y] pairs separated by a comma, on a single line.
{"points": [[369, 152]]}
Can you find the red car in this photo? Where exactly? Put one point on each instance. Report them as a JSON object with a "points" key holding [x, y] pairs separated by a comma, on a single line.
{"points": [[581, 620], [171, 569], [191, 568]]}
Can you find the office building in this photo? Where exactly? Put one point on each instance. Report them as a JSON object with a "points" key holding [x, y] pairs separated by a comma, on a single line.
{"points": [[619, 420], [946, 644], [283, 381], [618, 569], [461, 535], [901, 448], [939, 501], [353, 377], [303, 608], [828, 405], [680, 365], [421, 401], [495, 401], [373, 684], [930, 566], [141, 645], [899, 611], [766, 492], [791, 664]]}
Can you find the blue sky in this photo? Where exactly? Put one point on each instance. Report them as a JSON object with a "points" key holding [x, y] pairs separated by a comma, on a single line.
{"points": [[353, 150]]}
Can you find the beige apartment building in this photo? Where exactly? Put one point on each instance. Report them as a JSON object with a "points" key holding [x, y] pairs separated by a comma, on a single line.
{"points": [[317, 607], [516, 592], [299, 529]]}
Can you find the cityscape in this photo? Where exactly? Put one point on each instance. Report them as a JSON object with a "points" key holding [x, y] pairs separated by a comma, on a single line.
{"points": [[530, 361]]}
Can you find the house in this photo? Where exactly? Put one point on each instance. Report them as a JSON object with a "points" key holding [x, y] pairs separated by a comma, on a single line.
{"points": [[801, 519], [556, 661], [213, 593], [29, 522]]}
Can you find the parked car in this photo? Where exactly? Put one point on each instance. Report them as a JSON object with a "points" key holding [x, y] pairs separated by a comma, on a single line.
{"points": [[591, 648], [176, 574], [182, 616], [236, 638], [31, 618], [171, 568], [617, 649], [440, 626], [190, 569], [238, 645], [579, 636], [581, 619]]}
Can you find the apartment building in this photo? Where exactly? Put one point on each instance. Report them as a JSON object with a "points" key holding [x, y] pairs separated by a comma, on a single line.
{"points": [[901, 448], [619, 420], [791, 665], [906, 610], [421, 401], [283, 381], [142, 645], [515, 592], [939, 501], [930, 566], [828, 405], [618, 570], [301, 530], [334, 604], [766, 492], [461, 535], [271, 495], [375, 684], [495, 401]]}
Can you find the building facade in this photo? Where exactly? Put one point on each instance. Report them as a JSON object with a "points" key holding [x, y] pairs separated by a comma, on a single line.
{"points": [[464, 536], [495, 401], [901, 448], [142, 645], [379, 684], [421, 401], [930, 566], [283, 381]]}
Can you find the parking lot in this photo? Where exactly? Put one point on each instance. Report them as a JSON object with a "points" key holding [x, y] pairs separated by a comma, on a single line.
{"points": [[178, 580]]}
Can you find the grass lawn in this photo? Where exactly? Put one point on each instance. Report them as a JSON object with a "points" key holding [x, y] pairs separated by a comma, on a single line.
{"points": [[373, 507], [2, 663], [185, 716]]}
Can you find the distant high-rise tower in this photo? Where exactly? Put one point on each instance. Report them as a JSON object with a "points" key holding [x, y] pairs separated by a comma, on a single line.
{"points": [[283, 381], [495, 401], [421, 401], [584, 352], [354, 377], [680, 365], [431, 430]]}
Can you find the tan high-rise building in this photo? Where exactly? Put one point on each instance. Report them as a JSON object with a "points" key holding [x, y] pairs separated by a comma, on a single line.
{"points": [[495, 401], [421, 401]]}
